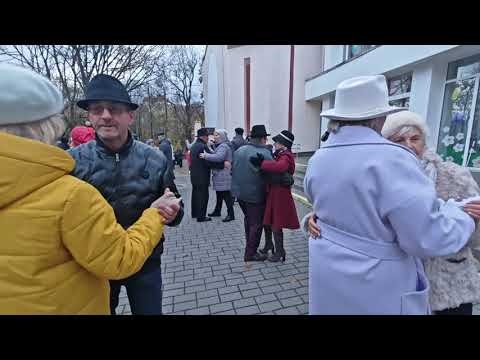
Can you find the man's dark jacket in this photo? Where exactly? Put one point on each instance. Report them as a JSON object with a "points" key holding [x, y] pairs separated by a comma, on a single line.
{"points": [[200, 170], [130, 179]]}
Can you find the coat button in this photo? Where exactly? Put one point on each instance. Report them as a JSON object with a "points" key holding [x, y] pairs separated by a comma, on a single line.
{"points": [[145, 175]]}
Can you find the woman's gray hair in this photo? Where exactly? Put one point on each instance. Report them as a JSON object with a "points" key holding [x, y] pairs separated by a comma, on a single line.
{"points": [[47, 130], [223, 135]]}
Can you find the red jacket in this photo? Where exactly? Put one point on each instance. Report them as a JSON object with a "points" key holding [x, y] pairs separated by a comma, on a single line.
{"points": [[280, 210]]}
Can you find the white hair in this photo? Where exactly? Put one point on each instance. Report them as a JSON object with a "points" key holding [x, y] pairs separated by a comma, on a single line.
{"points": [[47, 130], [396, 123]]}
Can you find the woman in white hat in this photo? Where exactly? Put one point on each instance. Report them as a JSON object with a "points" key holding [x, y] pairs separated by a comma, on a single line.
{"points": [[454, 280], [378, 213], [60, 239]]}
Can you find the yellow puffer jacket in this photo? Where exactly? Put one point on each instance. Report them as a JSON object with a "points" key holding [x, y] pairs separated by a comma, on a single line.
{"points": [[59, 239]]}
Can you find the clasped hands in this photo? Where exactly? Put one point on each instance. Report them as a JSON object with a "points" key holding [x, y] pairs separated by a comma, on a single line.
{"points": [[167, 205]]}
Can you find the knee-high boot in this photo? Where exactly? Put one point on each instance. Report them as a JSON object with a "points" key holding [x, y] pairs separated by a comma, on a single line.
{"points": [[268, 241], [279, 250]]}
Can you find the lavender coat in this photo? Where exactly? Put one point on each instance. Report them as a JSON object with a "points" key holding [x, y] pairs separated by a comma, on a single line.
{"points": [[379, 216], [221, 179]]}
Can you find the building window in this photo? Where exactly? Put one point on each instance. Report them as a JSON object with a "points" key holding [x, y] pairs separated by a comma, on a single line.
{"points": [[459, 128], [352, 51], [399, 88]]}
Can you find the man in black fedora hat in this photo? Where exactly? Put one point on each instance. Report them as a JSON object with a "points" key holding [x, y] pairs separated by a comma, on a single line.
{"points": [[200, 176], [248, 187], [129, 174]]}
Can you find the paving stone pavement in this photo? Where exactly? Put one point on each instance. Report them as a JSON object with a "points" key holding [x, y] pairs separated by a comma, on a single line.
{"points": [[204, 273]]}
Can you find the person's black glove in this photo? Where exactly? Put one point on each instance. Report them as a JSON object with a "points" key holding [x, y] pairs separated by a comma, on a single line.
{"points": [[257, 161]]}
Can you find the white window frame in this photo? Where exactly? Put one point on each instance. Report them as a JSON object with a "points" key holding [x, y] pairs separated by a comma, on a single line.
{"points": [[346, 52], [403, 95]]}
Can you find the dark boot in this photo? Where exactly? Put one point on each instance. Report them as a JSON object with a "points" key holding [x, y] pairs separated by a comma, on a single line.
{"points": [[229, 202], [279, 250], [255, 257], [228, 218], [218, 206], [268, 242]]}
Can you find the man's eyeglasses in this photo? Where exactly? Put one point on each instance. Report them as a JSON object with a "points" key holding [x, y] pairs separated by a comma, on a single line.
{"points": [[112, 109]]}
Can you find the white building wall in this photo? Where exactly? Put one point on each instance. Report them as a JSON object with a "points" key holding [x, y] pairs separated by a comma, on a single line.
{"points": [[269, 89], [306, 115], [213, 86], [381, 60], [428, 64]]}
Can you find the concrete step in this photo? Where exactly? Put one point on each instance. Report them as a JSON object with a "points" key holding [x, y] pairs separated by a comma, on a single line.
{"points": [[300, 168]]}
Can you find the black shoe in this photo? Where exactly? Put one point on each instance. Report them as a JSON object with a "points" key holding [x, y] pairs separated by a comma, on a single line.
{"points": [[276, 257], [204, 219], [215, 214], [256, 257], [228, 218]]}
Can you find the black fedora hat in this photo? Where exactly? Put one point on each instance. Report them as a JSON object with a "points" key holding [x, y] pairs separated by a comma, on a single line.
{"points": [[106, 88], [285, 138], [258, 131]]}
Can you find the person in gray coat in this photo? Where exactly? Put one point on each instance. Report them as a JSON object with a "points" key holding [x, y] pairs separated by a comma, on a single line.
{"points": [[221, 178], [250, 189]]}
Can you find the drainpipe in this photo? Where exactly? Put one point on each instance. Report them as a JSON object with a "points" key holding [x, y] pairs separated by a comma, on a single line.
{"points": [[290, 90]]}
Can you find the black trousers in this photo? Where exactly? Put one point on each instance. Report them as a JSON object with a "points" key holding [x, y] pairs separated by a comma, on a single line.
{"points": [[227, 197], [199, 201], [463, 309]]}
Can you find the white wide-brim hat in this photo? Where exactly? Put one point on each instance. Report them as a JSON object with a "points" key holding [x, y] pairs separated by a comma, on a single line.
{"points": [[26, 96], [361, 98]]}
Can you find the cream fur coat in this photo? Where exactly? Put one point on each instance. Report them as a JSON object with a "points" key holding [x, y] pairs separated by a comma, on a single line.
{"points": [[454, 279]]}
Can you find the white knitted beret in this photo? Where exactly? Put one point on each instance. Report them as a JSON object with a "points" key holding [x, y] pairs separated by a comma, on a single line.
{"points": [[26, 96], [400, 119]]}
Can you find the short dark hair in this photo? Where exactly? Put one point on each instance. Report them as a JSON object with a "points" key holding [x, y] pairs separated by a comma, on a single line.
{"points": [[239, 131]]}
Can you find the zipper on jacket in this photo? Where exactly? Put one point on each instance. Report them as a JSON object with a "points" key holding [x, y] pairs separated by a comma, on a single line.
{"points": [[117, 157]]}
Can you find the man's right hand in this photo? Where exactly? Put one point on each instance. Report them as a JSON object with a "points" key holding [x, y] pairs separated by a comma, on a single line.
{"points": [[167, 205]]}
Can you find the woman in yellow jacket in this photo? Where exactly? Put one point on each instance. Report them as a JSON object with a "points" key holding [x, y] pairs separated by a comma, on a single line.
{"points": [[59, 240]]}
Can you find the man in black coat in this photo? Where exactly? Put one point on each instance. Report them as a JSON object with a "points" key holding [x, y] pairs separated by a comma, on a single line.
{"points": [[200, 177], [130, 175]]}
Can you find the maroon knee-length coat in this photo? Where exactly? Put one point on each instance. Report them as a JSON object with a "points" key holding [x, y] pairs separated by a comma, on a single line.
{"points": [[280, 210]]}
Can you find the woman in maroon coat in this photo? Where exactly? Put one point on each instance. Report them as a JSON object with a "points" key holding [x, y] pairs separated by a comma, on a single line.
{"points": [[280, 212]]}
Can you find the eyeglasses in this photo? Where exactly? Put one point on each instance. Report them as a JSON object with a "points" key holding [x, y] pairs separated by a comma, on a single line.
{"points": [[112, 109]]}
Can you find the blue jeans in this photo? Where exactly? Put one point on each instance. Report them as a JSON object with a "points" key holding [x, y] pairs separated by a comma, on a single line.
{"points": [[144, 290]]}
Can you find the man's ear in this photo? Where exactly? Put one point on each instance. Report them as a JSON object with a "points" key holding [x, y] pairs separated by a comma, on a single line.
{"points": [[131, 119]]}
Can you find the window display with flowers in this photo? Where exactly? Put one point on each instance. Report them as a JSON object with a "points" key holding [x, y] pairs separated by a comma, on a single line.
{"points": [[459, 134], [456, 113]]}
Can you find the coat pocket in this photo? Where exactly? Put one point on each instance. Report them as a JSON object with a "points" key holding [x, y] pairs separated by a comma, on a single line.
{"points": [[416, 302]]}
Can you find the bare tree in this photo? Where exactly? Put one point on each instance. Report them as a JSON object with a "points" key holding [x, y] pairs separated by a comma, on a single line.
{"points": [[177, 76], [72, 67]]}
